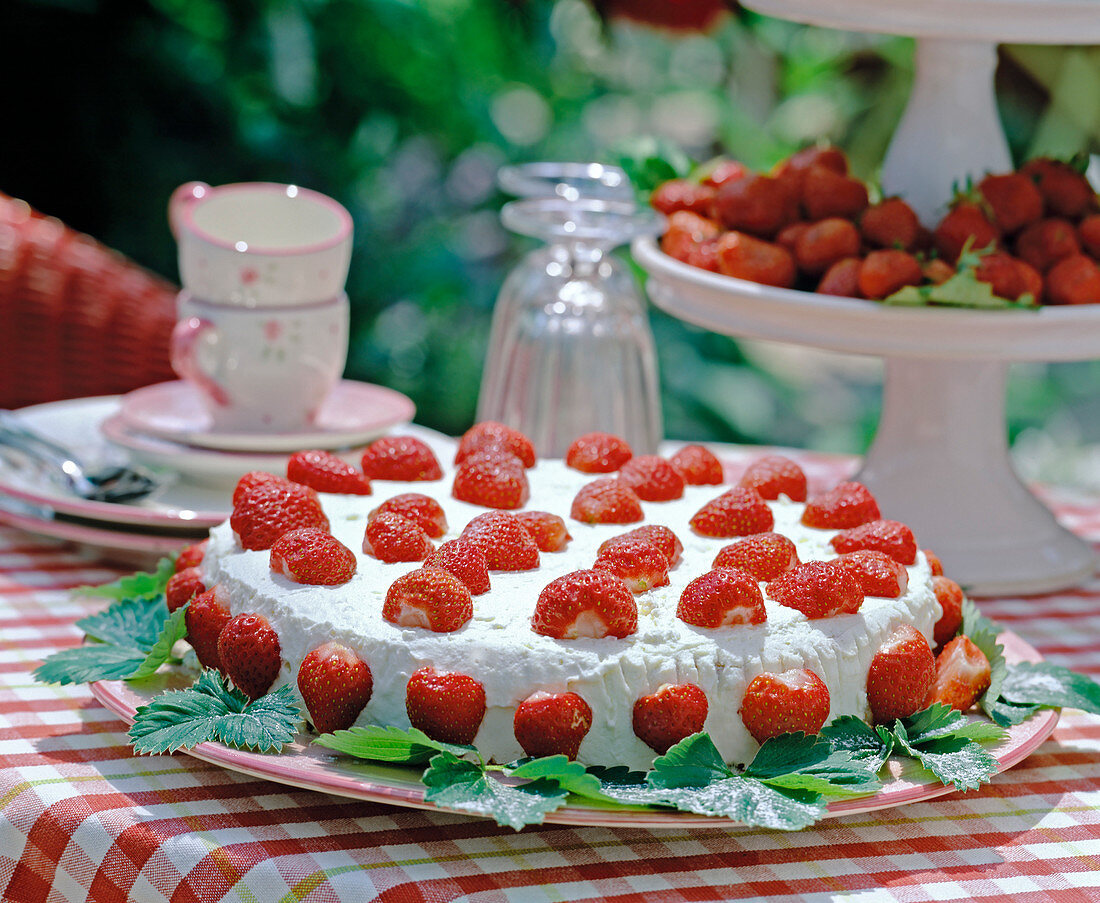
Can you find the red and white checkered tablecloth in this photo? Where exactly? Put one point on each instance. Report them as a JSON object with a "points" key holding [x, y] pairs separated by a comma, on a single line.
{"points": [[82, 818]]}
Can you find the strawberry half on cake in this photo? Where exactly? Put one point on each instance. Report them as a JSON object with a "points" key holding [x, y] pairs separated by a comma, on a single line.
{"points": [[604, 609]]}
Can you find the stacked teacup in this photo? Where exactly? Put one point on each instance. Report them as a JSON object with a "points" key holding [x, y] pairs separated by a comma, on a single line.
{"points": [[262, 329]]}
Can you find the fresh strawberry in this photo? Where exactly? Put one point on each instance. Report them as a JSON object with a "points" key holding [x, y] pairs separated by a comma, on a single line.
{"points": [[430, 598], [682, 196], [598, 453], [681, 16], [891, 223], [652, 478], [765, 555], [773, 476], [205, 617], [1065, 191], [420, 509], [182, 587], [1088, 234], [934, 563], [591, 603], [845, 505], [950, 596], [824, 243], [900, 675], [877, 573], [638, 564], [841, 279], [251, 656], [267, 511], [668, 715], [253, 478], [314, 557], [191, 556], [390, 537], [1003, 273], [1044, 243], [965, 222], [335, 685], [503, 540], [962, 675], [724, 170], [884, 272], [323, 471], [738, 512], [488, 435], [818, 589], [889, 536], [936, 271], [686, 233], [465, 560], [606, 501], [755, 203], [723, 597], [1014, 200], [698, 466], [1073, 280], [445, 705], [827, 193], [744, 257], [550, 724], [403, 458], [824, 155], [492, 479], [789, 235], [547, 530], [774, 704], [656, 535]]}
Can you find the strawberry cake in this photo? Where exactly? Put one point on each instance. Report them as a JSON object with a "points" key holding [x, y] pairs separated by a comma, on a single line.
{"points": [[603, 606]]}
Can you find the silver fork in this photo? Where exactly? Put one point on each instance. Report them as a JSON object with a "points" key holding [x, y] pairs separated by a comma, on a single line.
{"points": [[106, 483]]}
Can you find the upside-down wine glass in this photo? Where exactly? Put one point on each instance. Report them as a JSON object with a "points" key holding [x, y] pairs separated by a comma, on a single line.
{"points": [[571, 350]]}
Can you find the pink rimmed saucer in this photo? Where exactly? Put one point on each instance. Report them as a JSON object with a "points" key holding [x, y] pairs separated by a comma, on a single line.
{"points": [[353, 414], [316, 768]]}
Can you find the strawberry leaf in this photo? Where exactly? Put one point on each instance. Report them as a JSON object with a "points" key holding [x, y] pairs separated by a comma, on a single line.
{"points": [[129, 640], [1007, 714], [1045, 684], [142, 585], [943, 741], [983, 633], [466, 787], [569, 775], [749, 801], [693, 762], [801, 762], [214, 710], [860, 741], [389, 744]]}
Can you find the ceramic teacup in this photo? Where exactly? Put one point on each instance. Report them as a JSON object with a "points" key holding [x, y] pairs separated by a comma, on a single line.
{"points": [[261, 370], [260, 244]]}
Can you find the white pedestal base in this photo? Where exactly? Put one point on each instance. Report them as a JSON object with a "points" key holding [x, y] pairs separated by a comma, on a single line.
{"points": [[940, 464]]}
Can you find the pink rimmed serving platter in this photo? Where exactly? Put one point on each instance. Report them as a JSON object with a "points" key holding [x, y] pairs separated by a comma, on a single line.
{"points": [[317, 768]]}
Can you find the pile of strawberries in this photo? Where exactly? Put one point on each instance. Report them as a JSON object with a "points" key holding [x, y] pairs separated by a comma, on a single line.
{"points": [[283, 517], [810, 224]]}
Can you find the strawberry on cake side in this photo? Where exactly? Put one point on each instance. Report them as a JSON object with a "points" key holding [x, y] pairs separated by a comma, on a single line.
{"points": [[604, 606]]}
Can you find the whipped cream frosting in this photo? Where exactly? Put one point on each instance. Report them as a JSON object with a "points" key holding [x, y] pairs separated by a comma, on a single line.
{"points": [[499, 649]]}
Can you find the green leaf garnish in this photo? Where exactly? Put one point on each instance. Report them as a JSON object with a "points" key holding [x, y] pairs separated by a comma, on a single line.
{"points": [[142, 585], [800, 762], [214, 710], [130, 640], [943, 741], [963, 289], [749, 801], [1044, 684], [649, 161], [389, 744], [693, 762], [860, 741], [467, 787], [569, 775]]}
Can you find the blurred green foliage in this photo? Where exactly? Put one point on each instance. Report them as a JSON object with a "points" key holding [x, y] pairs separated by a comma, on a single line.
{"points": [[404, 109]]}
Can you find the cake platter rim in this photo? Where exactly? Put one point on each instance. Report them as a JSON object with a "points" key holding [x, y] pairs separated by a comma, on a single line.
{"points": [[317, 768]]}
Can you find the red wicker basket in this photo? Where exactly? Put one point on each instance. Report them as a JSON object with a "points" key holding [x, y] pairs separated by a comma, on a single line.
{"points": [[76, 318]]}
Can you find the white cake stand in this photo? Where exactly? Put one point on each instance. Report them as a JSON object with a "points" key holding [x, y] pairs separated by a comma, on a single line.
{"points": [[950, 128], [939, 461]]}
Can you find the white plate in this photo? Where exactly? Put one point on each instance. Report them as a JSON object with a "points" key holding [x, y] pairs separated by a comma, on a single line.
{"points": [[180, 505], [352, 415]]}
